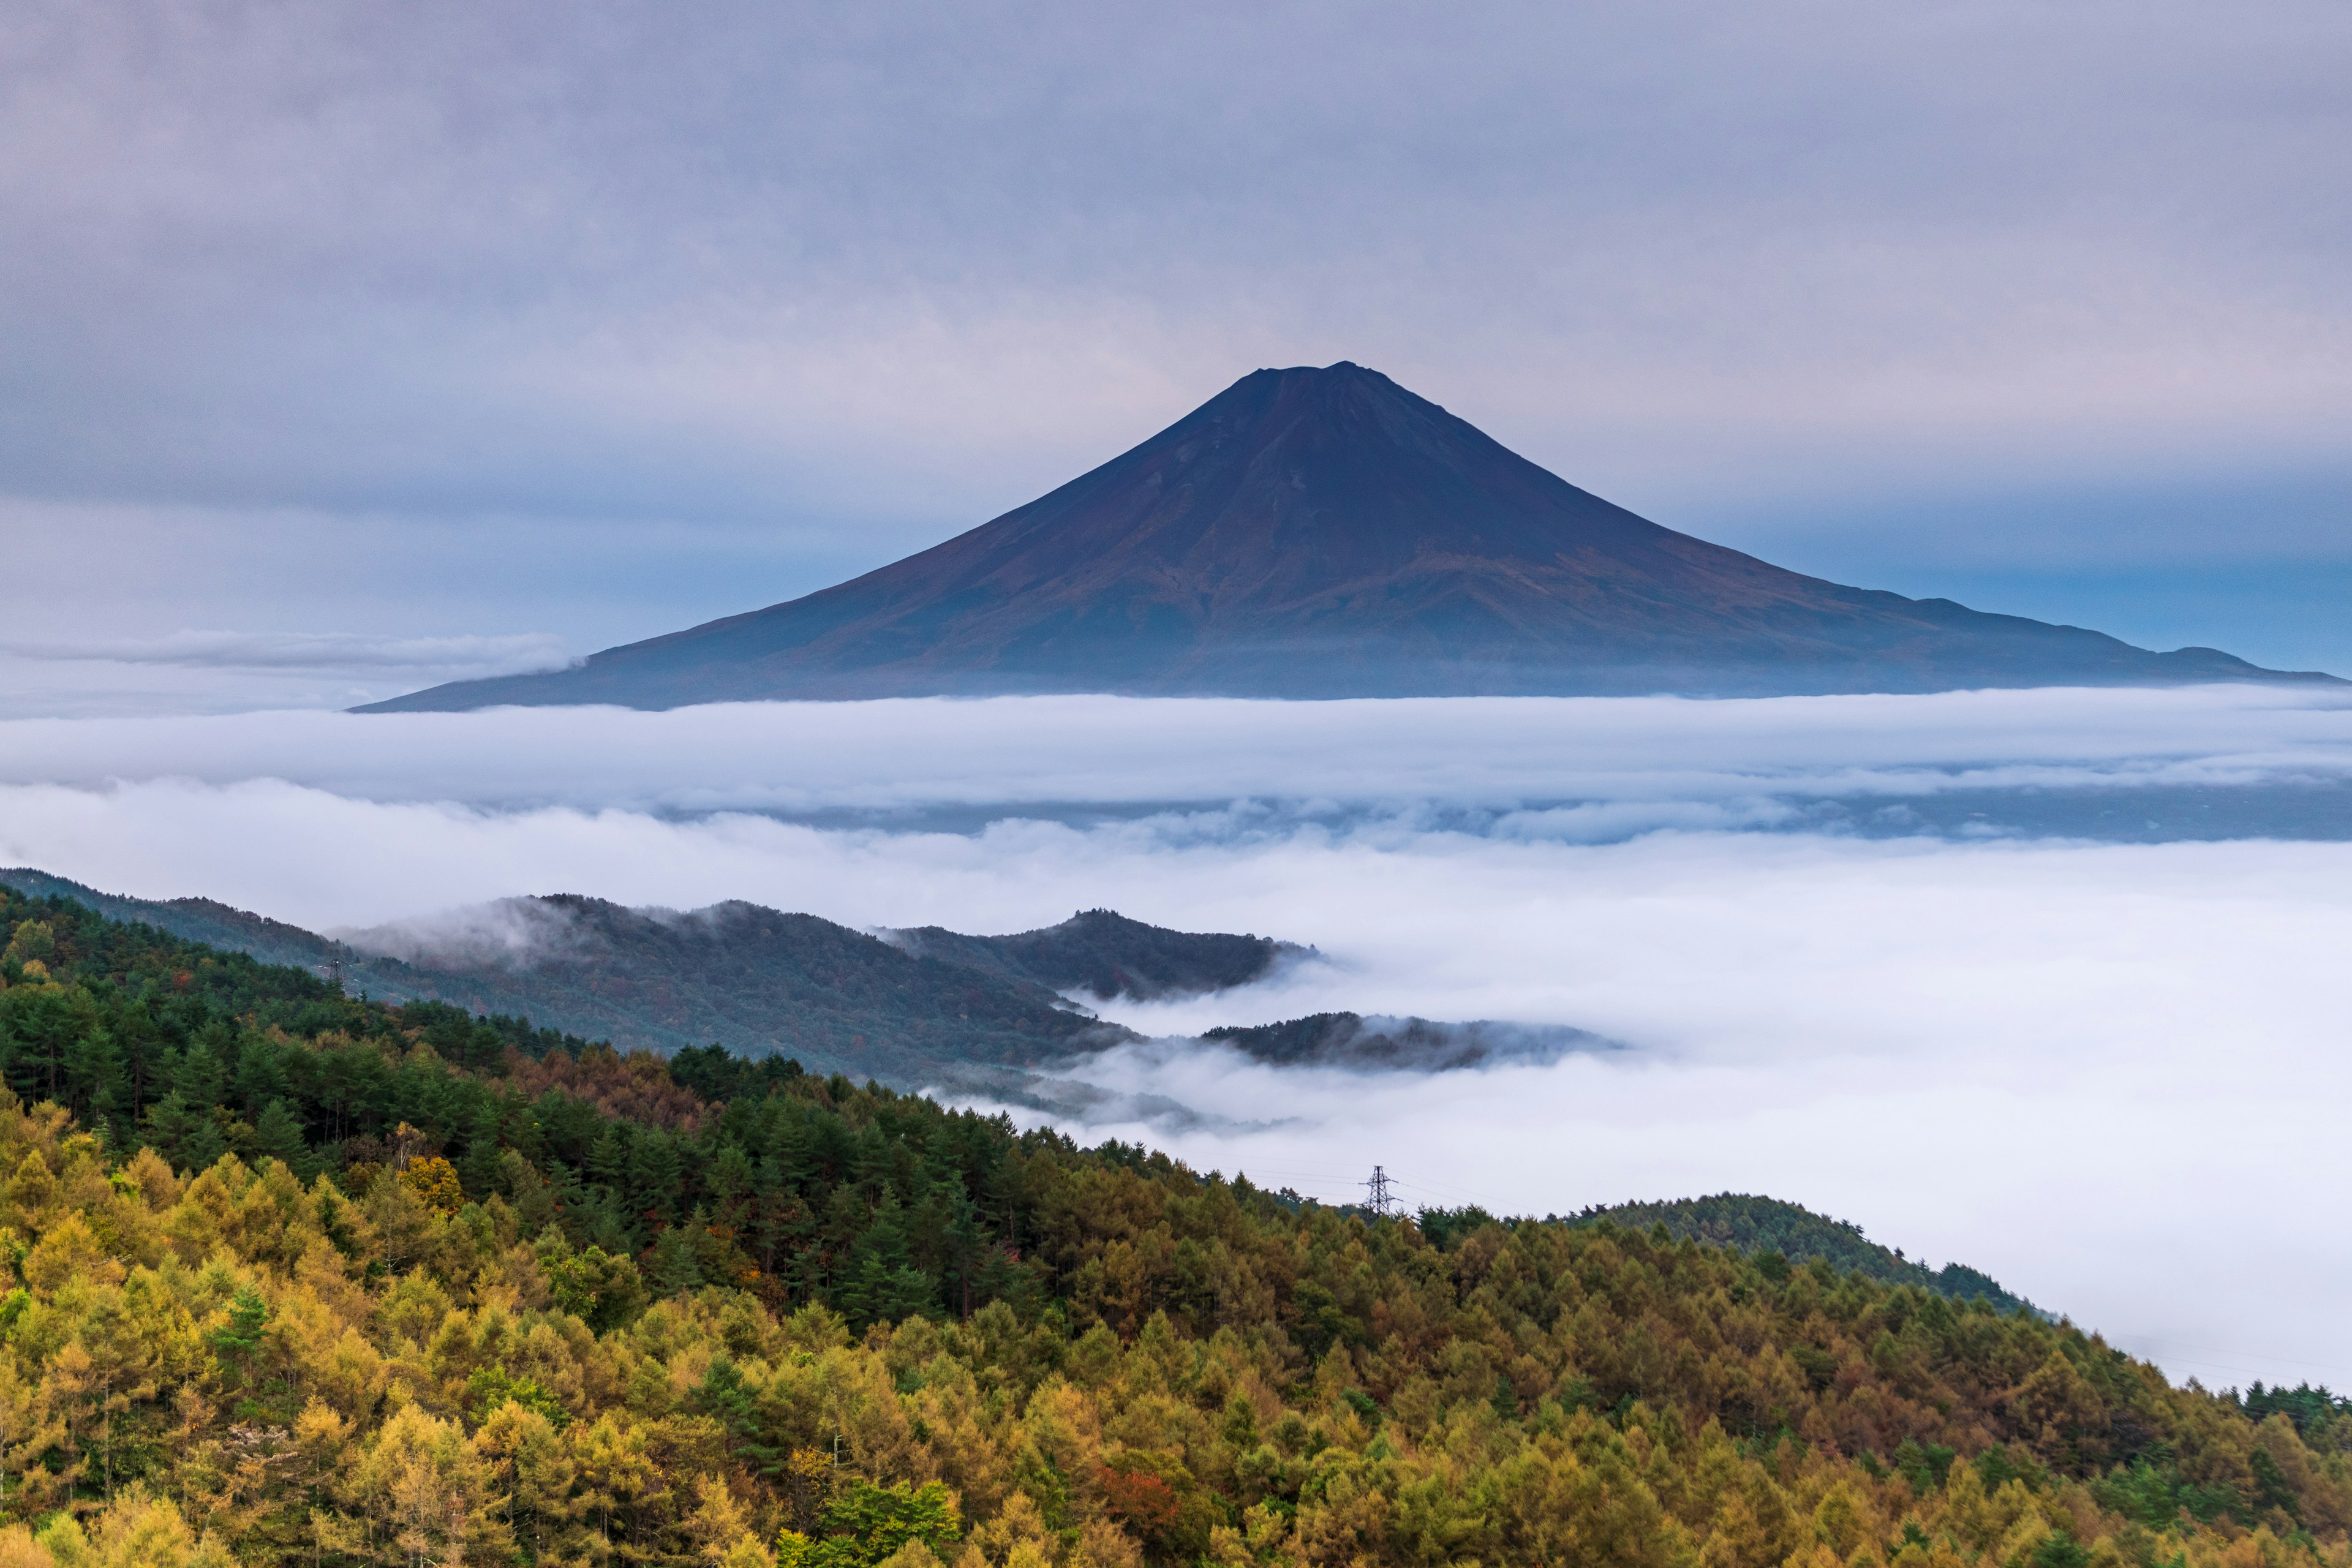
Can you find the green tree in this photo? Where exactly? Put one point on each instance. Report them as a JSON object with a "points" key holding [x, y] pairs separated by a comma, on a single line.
{"points": [[865, 1524], [278, 1134]]}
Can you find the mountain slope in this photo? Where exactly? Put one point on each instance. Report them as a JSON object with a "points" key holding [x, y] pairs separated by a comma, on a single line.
{"points": [[335, 1283], [1105, 954], [1327, 533], [1351, 1041], [756, 980]]}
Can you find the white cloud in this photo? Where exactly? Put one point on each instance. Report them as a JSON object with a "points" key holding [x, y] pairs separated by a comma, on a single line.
{"points": [[506, 932], [1681, 762], [2109, 1074]]}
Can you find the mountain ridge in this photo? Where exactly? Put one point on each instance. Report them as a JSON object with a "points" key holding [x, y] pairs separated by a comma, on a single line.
{"points": [[764, 981], [1325, 533]]}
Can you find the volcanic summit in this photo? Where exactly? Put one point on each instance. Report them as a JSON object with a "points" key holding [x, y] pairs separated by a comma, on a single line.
{"points": [[1319, 533]]}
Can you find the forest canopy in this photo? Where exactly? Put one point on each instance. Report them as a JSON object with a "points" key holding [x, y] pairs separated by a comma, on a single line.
{"points": [[295, 1277]]}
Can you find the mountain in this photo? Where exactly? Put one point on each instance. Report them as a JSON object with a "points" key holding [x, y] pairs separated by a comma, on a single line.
{"points": [[1106, 955], [197, 920], [756, 980], [1401, 1044], [1320, 534]]}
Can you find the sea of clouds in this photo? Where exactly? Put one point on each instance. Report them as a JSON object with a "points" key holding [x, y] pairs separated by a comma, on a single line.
{"points": [[2107, 1067]]}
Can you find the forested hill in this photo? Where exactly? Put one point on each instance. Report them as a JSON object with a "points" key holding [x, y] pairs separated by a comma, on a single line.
{"points": [[909, 1012], [291, 1277], [1751, 1224], [205, 921], [1104, 955]]}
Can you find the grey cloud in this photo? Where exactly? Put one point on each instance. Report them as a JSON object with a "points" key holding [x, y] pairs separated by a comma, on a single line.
{"points": [[608, 260], [1554, 767], [311, 651]]}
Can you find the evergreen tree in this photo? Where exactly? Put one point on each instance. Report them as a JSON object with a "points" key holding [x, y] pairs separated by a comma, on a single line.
{"points": [[188, 1137], [201, 1079], [277, 1134], [675, 1267], [655, 1174]]}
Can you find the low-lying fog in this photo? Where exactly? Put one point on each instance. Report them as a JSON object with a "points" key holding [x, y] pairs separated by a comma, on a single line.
{"points": [[2115, 1074]]}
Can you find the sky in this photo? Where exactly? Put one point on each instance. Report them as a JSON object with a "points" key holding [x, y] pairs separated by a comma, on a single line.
{"points": [[346, 350], [342, 352]]}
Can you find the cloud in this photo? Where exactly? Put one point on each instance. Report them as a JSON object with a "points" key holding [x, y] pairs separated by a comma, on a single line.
{"points": [[2101, 1072], [507, 933], [2108, 1073], [1533, 767], [453, 658], [594, 261]]}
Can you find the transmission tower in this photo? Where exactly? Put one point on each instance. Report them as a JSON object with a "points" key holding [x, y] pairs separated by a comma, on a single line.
{"points": [[1382, 1201]]}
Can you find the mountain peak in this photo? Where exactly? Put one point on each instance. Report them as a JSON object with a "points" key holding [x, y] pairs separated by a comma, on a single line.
{"points": [[1327, 532]]}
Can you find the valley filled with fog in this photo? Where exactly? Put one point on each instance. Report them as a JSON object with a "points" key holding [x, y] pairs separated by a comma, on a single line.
{"points": [[1944, 967]]}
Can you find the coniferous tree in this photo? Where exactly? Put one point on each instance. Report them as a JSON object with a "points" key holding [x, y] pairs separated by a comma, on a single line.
{"points": [[278, 1134]]}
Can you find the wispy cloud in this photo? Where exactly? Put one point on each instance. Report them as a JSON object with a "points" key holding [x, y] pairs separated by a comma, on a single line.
{"points": [[1533, 766], [450, 657]]}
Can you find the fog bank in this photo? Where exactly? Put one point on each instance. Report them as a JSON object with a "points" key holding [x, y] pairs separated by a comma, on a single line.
{"points": [[2111, 1074]]}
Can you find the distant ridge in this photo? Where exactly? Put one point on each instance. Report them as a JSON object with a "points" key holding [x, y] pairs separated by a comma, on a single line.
{"points": [[1105, 954], [758, 981], [1325, 533]]}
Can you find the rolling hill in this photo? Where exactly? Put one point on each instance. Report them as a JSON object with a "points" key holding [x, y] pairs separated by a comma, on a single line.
{"points": [[758, 981]]}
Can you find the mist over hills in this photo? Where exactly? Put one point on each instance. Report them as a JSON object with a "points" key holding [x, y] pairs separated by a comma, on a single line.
{"points": [[1352, 1040], [155, 988], [907, 1007], [1321, 533], [757, 980]]}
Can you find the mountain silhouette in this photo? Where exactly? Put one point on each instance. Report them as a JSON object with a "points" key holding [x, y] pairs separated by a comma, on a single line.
{"points": [[1316, 533]]}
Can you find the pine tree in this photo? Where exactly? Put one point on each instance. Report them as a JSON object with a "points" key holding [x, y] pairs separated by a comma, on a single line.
{"points": [[201, 1079], [187, 1137], [277, 1134], [674, 1268], [656, 1173]]}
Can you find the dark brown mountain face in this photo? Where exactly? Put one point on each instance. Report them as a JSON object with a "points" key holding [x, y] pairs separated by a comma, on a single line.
{"points": [[1327, 533]]}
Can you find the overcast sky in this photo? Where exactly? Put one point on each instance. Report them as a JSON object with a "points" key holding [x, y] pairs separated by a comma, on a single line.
{"points": [[544, 324]]}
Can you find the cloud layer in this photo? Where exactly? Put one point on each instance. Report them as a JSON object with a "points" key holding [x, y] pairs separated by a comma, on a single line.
{"points": [[1561, 766], [2107, 1074], [454, 657], [2110, 1074]]}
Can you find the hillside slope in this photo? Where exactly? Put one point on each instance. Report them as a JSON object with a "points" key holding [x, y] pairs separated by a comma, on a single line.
{"points": [[1106, 955], [319, 1281], [1751, 1224], [755, 980]]}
